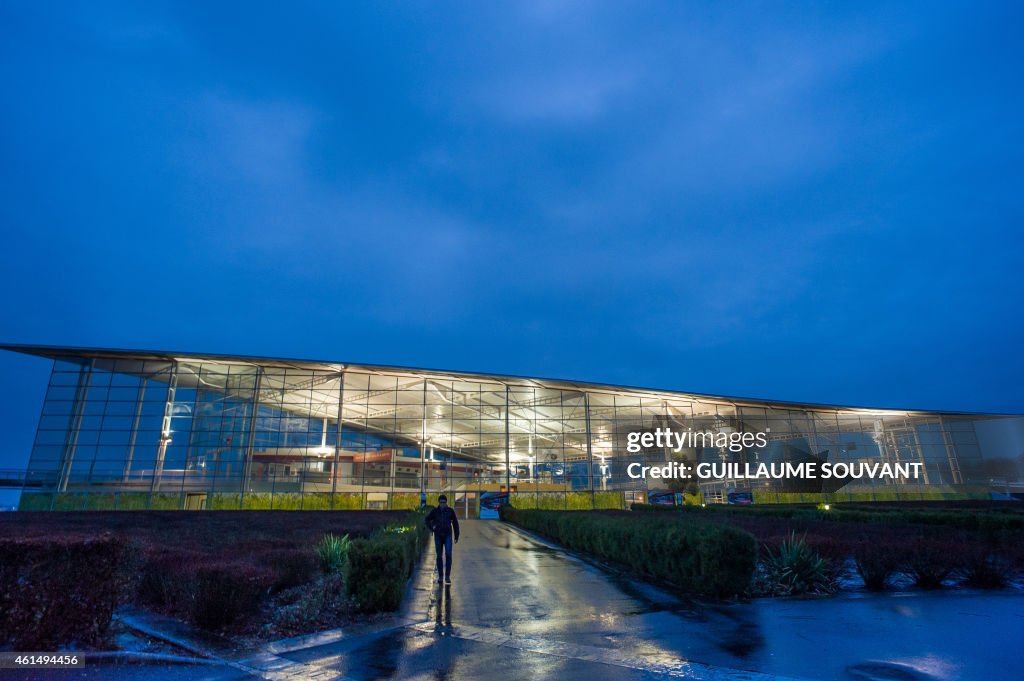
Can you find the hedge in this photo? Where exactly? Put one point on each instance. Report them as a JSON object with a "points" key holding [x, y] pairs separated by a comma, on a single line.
{"points": [[380, 564], [984, 519], [706, 559], [209, 591], [57, 591]]}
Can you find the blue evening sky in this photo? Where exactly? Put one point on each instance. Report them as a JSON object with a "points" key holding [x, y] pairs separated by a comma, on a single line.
{"points": [[814, 203]]}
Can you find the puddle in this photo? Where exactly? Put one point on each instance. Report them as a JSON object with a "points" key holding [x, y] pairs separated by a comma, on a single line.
{"points": [[887, 671]]}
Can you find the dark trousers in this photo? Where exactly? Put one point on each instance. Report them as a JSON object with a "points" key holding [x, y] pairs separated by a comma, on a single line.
{"points": [[443, 550]]}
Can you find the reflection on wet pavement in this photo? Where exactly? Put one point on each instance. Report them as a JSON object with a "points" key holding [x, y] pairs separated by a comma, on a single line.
{"points": [[520, 608]]}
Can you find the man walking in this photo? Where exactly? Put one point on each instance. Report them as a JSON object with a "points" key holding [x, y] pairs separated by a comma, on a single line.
{"points": [[443, 522]]}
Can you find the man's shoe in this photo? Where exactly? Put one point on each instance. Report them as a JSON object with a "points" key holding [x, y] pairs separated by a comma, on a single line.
{"points": [[448, 580]]}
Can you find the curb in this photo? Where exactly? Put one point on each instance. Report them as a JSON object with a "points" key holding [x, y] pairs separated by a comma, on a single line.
{"points": [[129, 657]]}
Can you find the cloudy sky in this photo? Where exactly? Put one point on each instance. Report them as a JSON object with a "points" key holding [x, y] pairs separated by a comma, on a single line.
{"points": [[816, 204]]}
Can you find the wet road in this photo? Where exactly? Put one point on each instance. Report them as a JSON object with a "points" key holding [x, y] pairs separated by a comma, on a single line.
{"points": [[519, 609]]}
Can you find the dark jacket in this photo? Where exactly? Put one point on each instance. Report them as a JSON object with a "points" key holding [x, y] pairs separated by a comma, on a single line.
{"points": [[442, 521]]}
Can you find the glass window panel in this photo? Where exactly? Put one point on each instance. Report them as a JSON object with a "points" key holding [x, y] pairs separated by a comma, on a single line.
{"points": [[60, 393], [124, 380], [122, 394], [92, 421], [117, 422], [59, 407], [100, 378], [88, 437], [114, 437], [47, 452], [54, 422], [50, 437], [120, 408], [65, 379]]}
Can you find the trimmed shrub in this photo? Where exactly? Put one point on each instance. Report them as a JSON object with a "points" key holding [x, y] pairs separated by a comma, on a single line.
{"points": [[159, 585], [380, 565], [708, 559], [54, 592], [221, 593], [291, 567], [210, 592], [379, 568]]}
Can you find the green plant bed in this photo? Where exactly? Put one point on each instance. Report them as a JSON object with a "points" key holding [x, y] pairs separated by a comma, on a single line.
{"points": [[406, 501], [69, 502], [132, 501], [166, 502], [523, 500], [99, 502], [609, 500], [349, 501], [380, 564], [708, 559], [224, 502], [552, 501], [288, 501], [257, 501], [316, 501], [35, 501]]}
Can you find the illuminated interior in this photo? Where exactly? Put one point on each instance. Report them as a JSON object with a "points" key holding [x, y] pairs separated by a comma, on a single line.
{"points": [[124, 429]]}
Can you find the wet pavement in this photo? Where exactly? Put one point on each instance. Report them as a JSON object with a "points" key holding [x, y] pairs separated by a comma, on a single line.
{"points": [[520, 608]]}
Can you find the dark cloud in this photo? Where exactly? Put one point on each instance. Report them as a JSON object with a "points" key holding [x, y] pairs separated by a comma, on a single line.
{"points": [[800, 203]]}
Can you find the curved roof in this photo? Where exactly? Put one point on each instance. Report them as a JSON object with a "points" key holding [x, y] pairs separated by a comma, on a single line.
{"points": [[59, 352]]}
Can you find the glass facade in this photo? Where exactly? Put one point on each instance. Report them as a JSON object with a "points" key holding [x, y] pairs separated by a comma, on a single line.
{"points": [[136, 430]]}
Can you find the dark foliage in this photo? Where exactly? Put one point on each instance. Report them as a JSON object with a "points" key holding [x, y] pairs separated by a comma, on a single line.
{"points": [[707, 559], [876, 562], [55, 591], [380, 565], [213, 568]]}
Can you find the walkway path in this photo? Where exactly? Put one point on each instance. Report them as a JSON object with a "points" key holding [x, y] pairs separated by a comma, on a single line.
{"points": [[519, 609]]}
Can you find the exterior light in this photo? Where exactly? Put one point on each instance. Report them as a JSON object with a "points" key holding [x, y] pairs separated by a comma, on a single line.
{"points": [[828, 507]]}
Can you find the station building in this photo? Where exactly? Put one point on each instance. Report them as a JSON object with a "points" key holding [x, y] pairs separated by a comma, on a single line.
{"points": [[169, 430]]}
